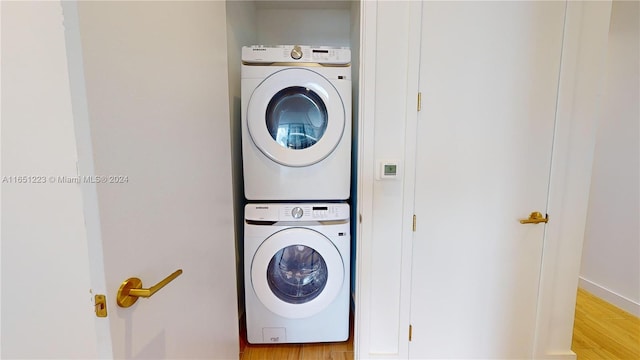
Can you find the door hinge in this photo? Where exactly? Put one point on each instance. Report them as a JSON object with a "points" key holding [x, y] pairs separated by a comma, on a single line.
{"points": [[101, 305], [410, 332], [360, 218], [419, 101], [414, 222]]}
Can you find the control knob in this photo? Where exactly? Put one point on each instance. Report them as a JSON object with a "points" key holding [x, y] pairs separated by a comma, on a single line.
{"points": [[296, 53], [297, 212]]}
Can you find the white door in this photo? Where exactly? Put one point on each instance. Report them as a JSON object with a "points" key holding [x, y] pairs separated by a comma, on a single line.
{"points": [[157, 95], [151, 99], [158, 110], [489, 81]]}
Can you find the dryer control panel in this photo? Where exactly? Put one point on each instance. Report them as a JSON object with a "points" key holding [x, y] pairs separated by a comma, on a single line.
{"points": [[297, 212], [260, 54]]}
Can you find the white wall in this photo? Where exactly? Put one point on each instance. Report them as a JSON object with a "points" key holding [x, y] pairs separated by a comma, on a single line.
{"points": [[611, 255], [304, 23], [241, 31]]}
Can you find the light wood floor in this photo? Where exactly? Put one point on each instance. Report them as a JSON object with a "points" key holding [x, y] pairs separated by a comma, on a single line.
{"points": [[604, 332], [322, 351], [601, 332], [327, 351]]}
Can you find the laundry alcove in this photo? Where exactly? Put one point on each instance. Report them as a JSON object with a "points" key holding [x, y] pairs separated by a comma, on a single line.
{"points": [[317, 23]]}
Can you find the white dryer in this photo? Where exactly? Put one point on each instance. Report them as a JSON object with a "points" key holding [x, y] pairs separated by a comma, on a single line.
{"points": [[296, 264], [296, 122]]}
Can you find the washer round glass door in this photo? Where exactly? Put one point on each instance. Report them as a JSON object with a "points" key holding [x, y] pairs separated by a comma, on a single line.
{"points": [[297, 272], [296, 117]]}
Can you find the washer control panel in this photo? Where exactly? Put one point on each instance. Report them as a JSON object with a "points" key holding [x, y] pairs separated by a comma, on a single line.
{"points": [[297, 212]]}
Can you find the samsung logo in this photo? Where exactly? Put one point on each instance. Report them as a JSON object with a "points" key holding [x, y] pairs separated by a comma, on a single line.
{"points": [[260, 49], [262, 208]]}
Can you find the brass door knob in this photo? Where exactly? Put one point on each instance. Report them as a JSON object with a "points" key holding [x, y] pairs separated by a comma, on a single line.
{"points": [[535, 218], [131, 289]]}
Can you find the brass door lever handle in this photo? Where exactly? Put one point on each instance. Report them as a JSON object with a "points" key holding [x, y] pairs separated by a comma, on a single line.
{"points": [[535, 218], [131, 289]]}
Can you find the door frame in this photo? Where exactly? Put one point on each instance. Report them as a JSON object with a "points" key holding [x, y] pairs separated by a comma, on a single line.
{"points": [[581, 78], [59, 251], [85, 167]]}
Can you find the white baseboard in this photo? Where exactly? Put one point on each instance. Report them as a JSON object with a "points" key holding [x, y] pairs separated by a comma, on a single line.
{"points": [[611, 297]]}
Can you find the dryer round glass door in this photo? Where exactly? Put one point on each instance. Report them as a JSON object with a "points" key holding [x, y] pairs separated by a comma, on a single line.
{"points": [[296, 117], [297, 272]]}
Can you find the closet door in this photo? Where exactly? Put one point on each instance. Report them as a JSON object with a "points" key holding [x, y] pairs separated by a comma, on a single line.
{"points": [[489, 81], [157, 112]]}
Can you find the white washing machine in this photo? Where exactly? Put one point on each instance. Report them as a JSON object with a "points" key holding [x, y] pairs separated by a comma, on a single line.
{"points": [[296, 264], [296, 122]]}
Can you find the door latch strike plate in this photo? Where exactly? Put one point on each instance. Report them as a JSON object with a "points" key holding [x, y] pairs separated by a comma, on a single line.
{"points": [[101, 305]]}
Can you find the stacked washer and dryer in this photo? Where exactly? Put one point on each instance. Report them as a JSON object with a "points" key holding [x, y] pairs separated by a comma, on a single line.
{"points": [[296, 150]]}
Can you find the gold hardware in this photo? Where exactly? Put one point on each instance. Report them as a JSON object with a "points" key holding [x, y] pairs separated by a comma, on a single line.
{"points": [[414, 223], [131, 289], [100, 303], [419, 101], [410, 332], [535, 218]]}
